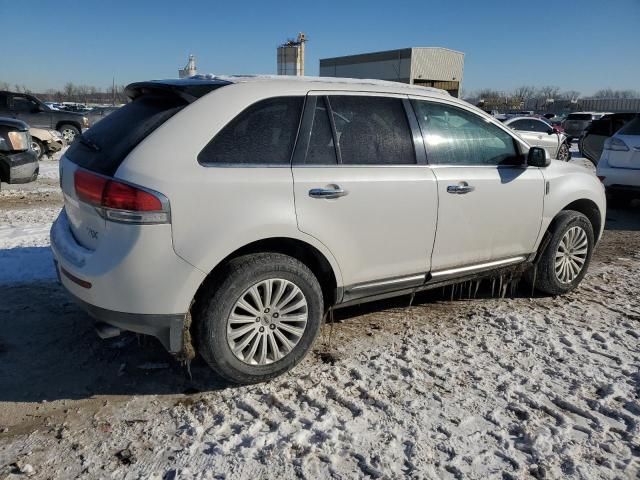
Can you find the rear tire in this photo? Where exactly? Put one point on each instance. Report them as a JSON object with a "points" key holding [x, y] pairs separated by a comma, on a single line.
{"points": [[567, 255], [251, 298]]}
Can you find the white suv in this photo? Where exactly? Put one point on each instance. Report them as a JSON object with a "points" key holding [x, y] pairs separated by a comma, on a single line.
{"points": [[227, 215]]}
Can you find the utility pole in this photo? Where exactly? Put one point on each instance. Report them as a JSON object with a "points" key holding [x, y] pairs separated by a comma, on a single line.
{"points": [[113, 92]]}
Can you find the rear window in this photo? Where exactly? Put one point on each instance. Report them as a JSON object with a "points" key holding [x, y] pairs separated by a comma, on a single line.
{"points": [[105, 145], [579, 116], [631, 128]]}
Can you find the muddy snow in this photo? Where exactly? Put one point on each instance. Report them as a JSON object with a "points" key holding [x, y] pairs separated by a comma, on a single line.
{"points": [[482, 387]]}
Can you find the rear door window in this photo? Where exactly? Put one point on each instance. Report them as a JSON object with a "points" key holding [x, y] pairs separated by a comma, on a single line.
{"points": [[372, 130], [263, 134]]}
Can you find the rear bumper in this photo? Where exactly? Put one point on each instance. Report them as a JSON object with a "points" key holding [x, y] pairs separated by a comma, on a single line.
{"points": [[618, 179], [133, 280], [20, 167], [166, 328]]}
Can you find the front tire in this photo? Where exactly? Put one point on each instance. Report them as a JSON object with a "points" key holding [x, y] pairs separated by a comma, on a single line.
{"points": [[261, 319], [564, 153], [38, 147], [566, 258], [69, 132]]}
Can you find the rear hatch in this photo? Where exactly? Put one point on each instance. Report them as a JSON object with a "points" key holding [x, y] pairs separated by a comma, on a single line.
{"points": [[629, 157], [577, 121], [104, 147]]}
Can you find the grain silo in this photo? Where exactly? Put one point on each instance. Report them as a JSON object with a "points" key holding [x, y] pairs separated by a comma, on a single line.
{"points": [[291, 56]]}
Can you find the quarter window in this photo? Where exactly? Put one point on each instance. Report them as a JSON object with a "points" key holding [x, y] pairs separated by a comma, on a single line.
{"points": [[454, 136], [262, 134], [372, 130]]}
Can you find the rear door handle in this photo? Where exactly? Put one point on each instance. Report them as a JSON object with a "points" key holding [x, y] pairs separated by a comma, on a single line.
{"points": [[330, 191], [460, 189]]}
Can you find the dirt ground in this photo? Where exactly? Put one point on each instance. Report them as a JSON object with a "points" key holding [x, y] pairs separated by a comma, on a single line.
{"points": [[517, 387]]}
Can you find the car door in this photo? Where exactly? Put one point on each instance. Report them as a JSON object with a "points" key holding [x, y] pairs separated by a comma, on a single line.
{"points": [[29, 111], [490, 204], [362, 189]]}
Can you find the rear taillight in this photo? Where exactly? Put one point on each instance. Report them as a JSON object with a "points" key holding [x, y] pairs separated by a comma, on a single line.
{"points": [[121, 202], [615, 144]]}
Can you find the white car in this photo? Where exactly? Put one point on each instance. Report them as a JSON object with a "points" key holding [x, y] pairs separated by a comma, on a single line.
{"points": [[539, 133], [227, 215], [619, 165]]}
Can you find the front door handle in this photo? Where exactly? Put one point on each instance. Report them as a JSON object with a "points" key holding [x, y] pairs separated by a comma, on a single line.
{"points": [[330, 191], [460, 189]]}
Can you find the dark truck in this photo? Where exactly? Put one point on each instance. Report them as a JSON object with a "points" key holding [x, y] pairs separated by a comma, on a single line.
{"points": [[18, 162], [35, 113]]}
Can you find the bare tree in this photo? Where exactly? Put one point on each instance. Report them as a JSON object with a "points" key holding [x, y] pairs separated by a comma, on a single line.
{"points": [[524, 92], [610, 93], [548, 92], [69, 91]]}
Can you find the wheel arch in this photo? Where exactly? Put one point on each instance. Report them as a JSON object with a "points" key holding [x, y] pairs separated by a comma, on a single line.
{"points": [[590, 210], [73, 123], [306, 253]]}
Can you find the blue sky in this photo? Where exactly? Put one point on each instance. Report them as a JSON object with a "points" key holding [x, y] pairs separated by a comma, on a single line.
{"points": [[579, 45]]}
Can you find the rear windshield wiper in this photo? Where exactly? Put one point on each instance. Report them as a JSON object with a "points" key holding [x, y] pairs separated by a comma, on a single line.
{"points": [[89, 143]]}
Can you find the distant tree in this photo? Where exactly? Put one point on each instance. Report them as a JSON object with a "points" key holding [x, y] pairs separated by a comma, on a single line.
{"points": [[69, 91], [570, 95], [4, 86], [548, 92], [524, 92], [610, 93]]}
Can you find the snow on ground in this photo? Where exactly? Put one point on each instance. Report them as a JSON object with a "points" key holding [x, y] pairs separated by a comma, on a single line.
{"points": [[24, 226]]}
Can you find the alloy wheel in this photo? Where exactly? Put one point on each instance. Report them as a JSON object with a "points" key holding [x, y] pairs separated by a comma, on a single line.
{"points": [[571, 254], [267, 321], [35, 146]]}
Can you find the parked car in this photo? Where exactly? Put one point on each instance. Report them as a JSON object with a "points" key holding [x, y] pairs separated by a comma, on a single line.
{"points": [[98, 113], [576, 123], [619, 165], [35, 113], [239, 210], [18, 163], [591, 143], [539, 133], [46, 142]]}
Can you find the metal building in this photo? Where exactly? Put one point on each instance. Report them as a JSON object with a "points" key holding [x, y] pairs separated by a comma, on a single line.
{"points": [[189, 69], [291, 56], [427, 66]]}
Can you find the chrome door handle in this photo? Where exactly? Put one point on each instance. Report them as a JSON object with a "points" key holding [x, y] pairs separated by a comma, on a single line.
{"points": [[460, 189], [330, 191]]}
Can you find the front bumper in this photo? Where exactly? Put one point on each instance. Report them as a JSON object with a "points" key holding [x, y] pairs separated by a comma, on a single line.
{"points": [[20, 167], [54, 146]]}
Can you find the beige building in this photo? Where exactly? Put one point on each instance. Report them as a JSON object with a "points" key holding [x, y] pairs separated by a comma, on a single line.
{"points": [[189, 69], [427, 66]]}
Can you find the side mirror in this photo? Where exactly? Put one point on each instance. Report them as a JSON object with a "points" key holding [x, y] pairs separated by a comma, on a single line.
{"points": [[551, 131], [537, 157], [37, 109]]}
